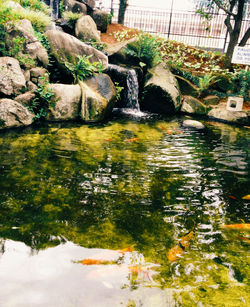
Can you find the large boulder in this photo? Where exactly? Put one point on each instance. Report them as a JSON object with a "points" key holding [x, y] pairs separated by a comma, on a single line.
{"points": [[65, 104], [161, 91], [31, 45], [26, 98], [193, 105], [89, 3], [12, 80], [75, 6], [98, 98], [13, 114], [67, 48], [101, 18], [221, 113], [86, 29]]}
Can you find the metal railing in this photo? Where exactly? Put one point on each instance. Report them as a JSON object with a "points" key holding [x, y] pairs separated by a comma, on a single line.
{"points": [[182, 26]]}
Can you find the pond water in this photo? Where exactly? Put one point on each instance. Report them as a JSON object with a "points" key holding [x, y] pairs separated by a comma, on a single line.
{"points": [[89, 213]]}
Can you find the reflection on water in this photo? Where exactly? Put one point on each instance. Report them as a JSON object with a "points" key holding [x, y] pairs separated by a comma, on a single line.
{"points": [[70, 193]]}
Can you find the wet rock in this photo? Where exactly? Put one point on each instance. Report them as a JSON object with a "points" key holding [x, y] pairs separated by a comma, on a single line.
{"points": [[192, 105], [193, 124], [161, 91], [75, 6], [86, 29], [65, 105], [12, 80], [98, 98], [13, 114], [239, 117], [211, 99]]}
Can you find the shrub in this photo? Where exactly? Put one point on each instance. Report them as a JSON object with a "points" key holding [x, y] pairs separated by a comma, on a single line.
{"points": [[146, 49], [38, 19], [71, 18], [35, 5], [83, 68]]}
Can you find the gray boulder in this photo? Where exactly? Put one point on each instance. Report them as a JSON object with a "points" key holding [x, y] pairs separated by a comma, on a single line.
{"points": [[161, 91], [12, 80], [26, 98], [66, 48], [192, 105], [39, 75], [86, 29], [98, 98], [101, 18], [13, 114], [189, 123], [239, 117], [31, 45], [75, 7], [65, 104], [89, 3]]}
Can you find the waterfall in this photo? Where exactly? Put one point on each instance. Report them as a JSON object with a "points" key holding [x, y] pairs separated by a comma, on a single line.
{"points": [[54, 5], [132, 90], [127, 78]]}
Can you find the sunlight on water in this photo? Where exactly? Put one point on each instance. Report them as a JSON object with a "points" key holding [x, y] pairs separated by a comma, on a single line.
{"points": [[92, 215]]}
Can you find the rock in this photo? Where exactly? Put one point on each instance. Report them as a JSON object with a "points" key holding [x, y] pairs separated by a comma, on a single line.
{"points": [[187, 87], [31, 45], [39, 75], [89, 3], [220, 112], [31, 87], [65, 105], [25, 98], [12, 80], [193, 124], [75, 7], [66, 48], [86, 29], [13, 114], [98, 98], [14, 6], [211, 99], [161, 91], [26, 74], [193, 106], [101, 18]]}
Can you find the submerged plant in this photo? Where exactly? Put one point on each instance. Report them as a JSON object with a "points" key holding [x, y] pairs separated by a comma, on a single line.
{"points": [[83, 68], [146, 49]]}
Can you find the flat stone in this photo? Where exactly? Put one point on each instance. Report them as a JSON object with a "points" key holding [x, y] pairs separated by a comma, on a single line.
{"points": [[193, 124]]}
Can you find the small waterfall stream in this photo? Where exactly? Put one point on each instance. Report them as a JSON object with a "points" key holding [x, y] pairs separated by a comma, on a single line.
{"points": [[54, 5], [132, 90]]}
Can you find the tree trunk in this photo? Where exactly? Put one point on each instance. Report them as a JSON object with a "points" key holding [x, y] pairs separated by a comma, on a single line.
{"points": [[245, 38], [234, 34], [122, 9]]}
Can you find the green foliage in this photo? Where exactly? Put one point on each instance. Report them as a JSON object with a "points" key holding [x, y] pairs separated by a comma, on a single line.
{"points": [[206, 81], [83, 68], [36, 5], [40, 104], [118, 91], [43, 40], [110, 16], [241, 83], [71, 18], [61, 7], [146, 49], [38, 19], [96, 45], [186, 75]]}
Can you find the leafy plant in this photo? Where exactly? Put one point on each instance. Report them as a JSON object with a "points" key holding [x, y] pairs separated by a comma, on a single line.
{"points": [[36, 5], [40, 104], [43, 40], [83, 68], [205, 82], [241, 83], [118, 90], [96, 45], [71, 18], [146, 49]]}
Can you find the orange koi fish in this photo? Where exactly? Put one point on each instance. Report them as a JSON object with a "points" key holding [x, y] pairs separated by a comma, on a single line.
{"points": [[131, 140], [179, 249], [125, 250], [236, 226], [169, 132], [96, 262], [162, 128], [244, 239], [246, 197], [232, 197], [109, 140]]}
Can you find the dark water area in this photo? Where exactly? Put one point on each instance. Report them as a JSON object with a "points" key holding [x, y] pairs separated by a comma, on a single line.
{"points": [[124, 193]]}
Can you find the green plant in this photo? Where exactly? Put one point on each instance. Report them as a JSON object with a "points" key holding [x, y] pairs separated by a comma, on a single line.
{"points": [[146, 49], [36, 5], [40, 104], [118, 91], [43, 40], [71, 18], [38, 19], [96, 45], [241, 83], [83, 68]]}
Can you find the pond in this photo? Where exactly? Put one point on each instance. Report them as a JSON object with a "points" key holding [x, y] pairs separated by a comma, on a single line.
{"points": [[90, 213]]}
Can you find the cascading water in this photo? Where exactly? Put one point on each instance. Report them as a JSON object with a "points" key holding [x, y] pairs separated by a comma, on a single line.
{"points": [[54, 5], [127, 78], [132, 90]]}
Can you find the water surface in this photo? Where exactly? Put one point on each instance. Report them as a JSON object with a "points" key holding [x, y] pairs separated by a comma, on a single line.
{"points": [[73, 192]]}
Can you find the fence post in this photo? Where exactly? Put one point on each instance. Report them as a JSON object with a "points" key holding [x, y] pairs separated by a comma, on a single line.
{"points": [[170, 18]]}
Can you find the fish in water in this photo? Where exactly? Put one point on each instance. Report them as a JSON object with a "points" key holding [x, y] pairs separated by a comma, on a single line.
{"points": [[247, 197], [131, 140], [177, 251], [96, 262], [244, 239], [236, 226]]}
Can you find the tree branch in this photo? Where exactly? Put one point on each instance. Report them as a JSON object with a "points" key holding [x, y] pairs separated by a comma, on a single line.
{"points": [[245, 38], [229, 12]]}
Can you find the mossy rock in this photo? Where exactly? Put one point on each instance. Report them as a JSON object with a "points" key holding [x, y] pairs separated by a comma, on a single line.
{"points": [[187, 87]]}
